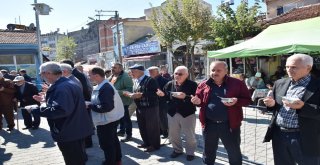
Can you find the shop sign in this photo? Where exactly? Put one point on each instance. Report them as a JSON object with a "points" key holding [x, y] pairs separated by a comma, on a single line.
{"points": [[143, 48]]}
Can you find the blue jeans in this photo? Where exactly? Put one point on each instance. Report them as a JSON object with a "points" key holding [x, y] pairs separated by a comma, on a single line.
{"points": [[287, 149]]}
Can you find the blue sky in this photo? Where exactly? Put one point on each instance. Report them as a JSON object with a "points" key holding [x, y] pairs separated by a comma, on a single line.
{"points": [[71, 15]]}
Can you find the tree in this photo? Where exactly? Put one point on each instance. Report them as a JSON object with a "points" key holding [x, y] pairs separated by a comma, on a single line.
{"points": [[186, 21], [65, 48], [229, 26]]}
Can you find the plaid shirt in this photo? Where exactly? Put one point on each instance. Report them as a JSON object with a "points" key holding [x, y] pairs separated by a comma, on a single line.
{"points": [[288, 117]]}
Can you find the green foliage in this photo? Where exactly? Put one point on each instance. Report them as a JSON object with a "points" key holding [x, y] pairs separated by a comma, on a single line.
{"points": [[65, 48], [186, 21], [229, 26]]}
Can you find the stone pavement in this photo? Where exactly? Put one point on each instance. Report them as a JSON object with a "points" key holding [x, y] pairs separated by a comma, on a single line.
{"points": [[37, 147]]}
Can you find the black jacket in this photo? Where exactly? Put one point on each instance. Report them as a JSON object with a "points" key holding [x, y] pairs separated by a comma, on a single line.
{"points": [[183, 107], [308, 115], [81, 77], [148, 87], [25, 97]]}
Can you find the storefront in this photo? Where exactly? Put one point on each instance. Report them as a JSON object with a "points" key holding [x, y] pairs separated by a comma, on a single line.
{"points": [[19, 50], [147, 53]]}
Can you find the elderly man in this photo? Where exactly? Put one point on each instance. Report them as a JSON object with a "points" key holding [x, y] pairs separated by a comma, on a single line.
{"points": [[163, 105], [26, 77], [221, 99], [67, 72], [24, 93], [87, 89], [7, 92], [123, 83], [66, 112], [295, 103], [181, 113], [146, 99]]}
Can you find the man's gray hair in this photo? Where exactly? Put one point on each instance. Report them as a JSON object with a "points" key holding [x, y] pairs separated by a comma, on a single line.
{"points": [[52, 67], [154, 68], [185, 69], [305, 59], [66, 67], [219, 62]]}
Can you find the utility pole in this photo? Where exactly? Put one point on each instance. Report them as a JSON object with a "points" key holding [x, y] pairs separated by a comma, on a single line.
{"points": [[116, 16]]}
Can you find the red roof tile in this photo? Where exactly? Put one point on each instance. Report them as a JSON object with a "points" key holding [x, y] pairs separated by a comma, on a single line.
{"points": [[17, 37], [297, 14]]}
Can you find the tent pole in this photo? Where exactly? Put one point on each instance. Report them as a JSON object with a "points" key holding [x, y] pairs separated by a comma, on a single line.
{"points": [[230, 63], [244, 65]]}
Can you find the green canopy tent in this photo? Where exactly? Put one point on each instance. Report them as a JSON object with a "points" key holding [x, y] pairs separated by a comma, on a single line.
{"points": [[293, 37]]}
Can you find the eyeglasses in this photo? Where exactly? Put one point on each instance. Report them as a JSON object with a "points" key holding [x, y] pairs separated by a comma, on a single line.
{"points": [[178, 74]]}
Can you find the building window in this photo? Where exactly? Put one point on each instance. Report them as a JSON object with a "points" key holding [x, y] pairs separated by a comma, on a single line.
{"points": [[25, 59], [6, 59], [280, 10]]}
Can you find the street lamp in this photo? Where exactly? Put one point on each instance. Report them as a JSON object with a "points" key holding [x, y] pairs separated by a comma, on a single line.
{"points": [[40, 9]]}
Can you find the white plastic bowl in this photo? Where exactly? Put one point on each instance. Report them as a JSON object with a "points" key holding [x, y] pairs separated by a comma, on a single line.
{"points": [[290, 99], [226, 100]]}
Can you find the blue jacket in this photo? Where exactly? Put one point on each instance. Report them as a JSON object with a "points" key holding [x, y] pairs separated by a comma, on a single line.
{"points": [[66, 112]]}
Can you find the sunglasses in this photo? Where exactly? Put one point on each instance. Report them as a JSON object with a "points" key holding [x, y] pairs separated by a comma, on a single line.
{"points": [[178, 74]]}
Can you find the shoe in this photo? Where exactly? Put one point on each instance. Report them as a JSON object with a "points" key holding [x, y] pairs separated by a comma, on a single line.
{"points": [[150, 149], [126, 139], [175, 154], [28, 127], [120, 134], [142, 146], [164, 136], [190, 157]]}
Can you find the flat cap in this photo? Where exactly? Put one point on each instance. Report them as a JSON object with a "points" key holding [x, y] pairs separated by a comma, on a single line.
{"points": [[137, 66], [18, 78]]}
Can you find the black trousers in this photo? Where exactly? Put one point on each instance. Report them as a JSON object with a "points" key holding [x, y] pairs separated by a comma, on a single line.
{"points": [[287, 149], [148, 123], [126, 123], [109, 142], [163, 111], [230, 139], [73, 152], [27, 119]]}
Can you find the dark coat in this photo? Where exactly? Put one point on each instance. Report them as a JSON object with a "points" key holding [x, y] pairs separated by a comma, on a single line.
{"points": [[82, 78], [308, 115], [183, 107], [25, 97], [66, 112]]}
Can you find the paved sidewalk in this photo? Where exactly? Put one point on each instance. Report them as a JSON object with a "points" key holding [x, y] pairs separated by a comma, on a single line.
{"points": [[37, 147]]}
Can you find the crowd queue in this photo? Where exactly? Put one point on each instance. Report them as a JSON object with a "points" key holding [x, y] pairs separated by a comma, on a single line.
{"points": [[165, 107]]}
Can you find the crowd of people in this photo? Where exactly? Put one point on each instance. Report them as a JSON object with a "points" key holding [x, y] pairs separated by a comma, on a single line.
{"points": [[165, 107]]}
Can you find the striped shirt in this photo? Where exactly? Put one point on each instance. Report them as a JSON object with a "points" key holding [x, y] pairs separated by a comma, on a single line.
{"points": [[288, 117]]}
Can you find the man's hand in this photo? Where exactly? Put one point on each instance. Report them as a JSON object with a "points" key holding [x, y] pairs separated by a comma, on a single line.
{"points": [[195, 100], [160, 93], [298, 104], [229, 104], [269, 101], [40, 97], [45, 87], [1, 89]]}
